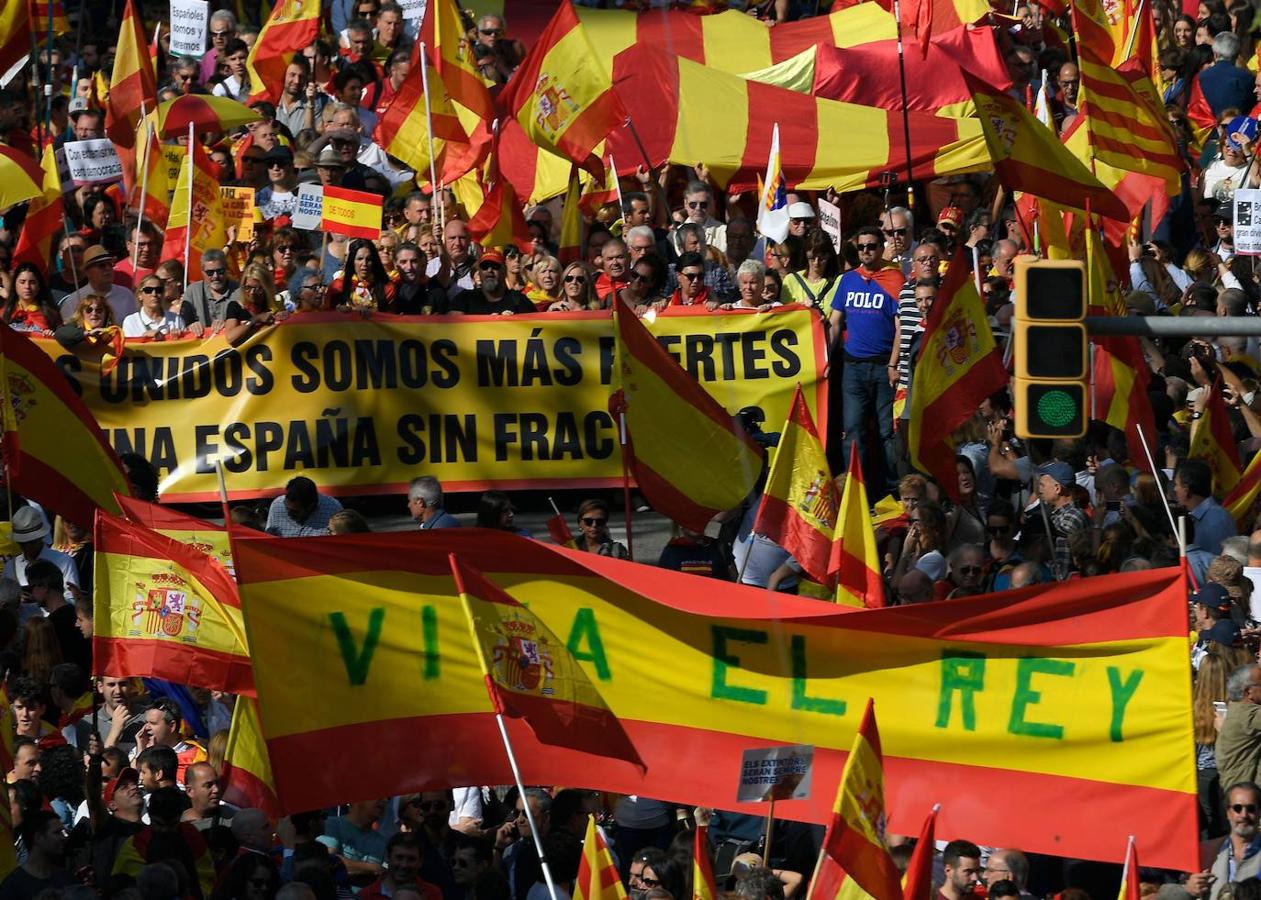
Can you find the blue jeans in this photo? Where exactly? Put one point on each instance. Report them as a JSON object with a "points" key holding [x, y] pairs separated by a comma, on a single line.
{"points": [[867, 394]]}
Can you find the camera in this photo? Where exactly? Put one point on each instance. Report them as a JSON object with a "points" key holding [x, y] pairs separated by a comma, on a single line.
{"points": [[750, 419]]}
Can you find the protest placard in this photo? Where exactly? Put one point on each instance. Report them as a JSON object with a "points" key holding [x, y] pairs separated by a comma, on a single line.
{"points": [[188, 27], [93, 161], [310, 211], [775, 773], [1248, 222], [238, 208], [830, 222]]}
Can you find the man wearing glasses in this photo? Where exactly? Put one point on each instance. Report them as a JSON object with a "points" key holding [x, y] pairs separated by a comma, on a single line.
{"points": [[98, 271], [698, 206], [1239, 858], [896, 225], [206, 301], [280, 197], [222, 30], [491, 296]]}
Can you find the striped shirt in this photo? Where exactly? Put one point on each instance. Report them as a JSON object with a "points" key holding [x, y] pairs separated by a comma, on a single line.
{"points": [[909, 322]]}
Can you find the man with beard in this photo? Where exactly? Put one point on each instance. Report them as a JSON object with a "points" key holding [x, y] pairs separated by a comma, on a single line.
{"points": [[491, 297], [1238, 858], [45, 840], [962, 862]]}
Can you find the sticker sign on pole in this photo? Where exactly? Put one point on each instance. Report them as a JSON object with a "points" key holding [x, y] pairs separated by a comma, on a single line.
{"points": [[92, 162], [238, 210], [188, 27], [830, 221], [1248, 222], [775, 773], [310, 211]]}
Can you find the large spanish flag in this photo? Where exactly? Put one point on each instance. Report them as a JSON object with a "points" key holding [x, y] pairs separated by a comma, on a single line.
{"points": [[44, 219], [597, 875], [854, 562], [355, 214], [196, 207], [855, 837], [672, 425], [247, 778], [292, 25], [1213, 442], [373, 626], [442, 31], [54, 451], [198, 534], [959, 365], [1029, 157], [562, 96], [163, 610], [133, 82], [800, 500]]}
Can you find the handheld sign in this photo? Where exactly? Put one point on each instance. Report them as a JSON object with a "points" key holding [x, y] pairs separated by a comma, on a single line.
{"points": [[188, 27], [775, 773]]}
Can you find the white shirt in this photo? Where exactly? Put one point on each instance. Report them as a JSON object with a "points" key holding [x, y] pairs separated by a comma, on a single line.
{"points": [[121, 301], [138, 324], [231, 87], [272, 203], [372, 156]]}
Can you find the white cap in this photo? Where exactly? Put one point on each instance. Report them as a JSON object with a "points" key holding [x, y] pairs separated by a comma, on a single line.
{"points": [[800, 210]]}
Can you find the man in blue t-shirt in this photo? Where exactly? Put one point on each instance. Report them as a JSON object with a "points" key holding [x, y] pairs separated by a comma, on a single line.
{"points": [[865, 308]]}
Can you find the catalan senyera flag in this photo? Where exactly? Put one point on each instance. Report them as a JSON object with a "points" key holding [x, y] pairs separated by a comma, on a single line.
{"points": [[196, 206], [854, 562], [200, 535], [53, 449], [597, 875], [164, 610], [371, 624], [959, 366], [1029, 157], [800, 501], [247, 778], [355, 214], [514, 648], [855, 837], [562, 96], [570, 245], [45, 11], [917, 884], [442, 32], [703, 886], [44, 219], [671, 422], [133, 82], [772, 208], [1213, 442], [1131, 887], [292, 25]]}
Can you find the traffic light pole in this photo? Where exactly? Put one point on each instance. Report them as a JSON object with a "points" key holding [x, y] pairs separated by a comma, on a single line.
{"points": [[1171, 326]]}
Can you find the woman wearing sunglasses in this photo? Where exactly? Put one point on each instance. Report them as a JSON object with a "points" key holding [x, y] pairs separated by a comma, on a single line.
{"points": [[593, 523], [154, 319], [91, 329], [577, 289]]}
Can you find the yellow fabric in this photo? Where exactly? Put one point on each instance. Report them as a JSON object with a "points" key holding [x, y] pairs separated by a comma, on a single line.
{"points": [[795, 73], [246, 748], [1140, 151], [1204, 446], [207, 230], [856, 536]]}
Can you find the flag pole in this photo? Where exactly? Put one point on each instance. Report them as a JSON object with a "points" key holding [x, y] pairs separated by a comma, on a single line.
{"points": [[906, 115], [626, 492], [525, 804], [1163, 499], [223, 494], [144, 189], [640, 144], [424, 88], [48, 85], [188, 227], [617, 184]]}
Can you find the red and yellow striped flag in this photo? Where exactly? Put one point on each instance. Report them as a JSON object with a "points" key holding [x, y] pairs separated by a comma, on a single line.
{"points": [[1213, 442], [917, 884], [43, 11], [198, 534], [1241, 500], [247, 778], [355, 214], [516, 650], [442, 32], [292, 25], [164, 610], [132, 83], [44, 219], [498, 219], [15, 34], [959, 366], [570, 245], [854, 563], [157, 187], [703, 886], [855, 838], [202, 213], [53, 448], [597, 876], [671, 422], [1131, 886], [800, 502], [561, 94]]}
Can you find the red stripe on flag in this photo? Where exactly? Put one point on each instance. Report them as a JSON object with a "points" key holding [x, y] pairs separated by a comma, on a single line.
{"points": [[245, 790], [677, 35], [797, 116], [180, 663], [808, 546]]}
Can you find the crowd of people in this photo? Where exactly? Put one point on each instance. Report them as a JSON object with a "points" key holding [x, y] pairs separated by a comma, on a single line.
{"points": [[125, 798]]}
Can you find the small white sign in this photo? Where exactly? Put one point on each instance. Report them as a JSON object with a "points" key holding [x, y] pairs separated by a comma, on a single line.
{"points": [[310, 211], [1248, 222], [830, 221], [775, 773], [188, 27], [413, 10], [93, 161]]}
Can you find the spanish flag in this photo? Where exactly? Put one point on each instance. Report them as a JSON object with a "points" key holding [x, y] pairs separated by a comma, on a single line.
{"points": [[800, 501], [959, 366], [597, 876], [1241, 500], [855, 838], [1199, 116], [292, 25], [138, 851], [132, 83], [498, 218], [44, 218], [558, 528], [442, 32], [1029, 157], [917, 884], [53, 448], [1213, 442], [561, 94], [513, 646], [45, 11], [355, 214], [163, 610], [671, 423], [15, 35], [854, 563], [197, 534], [1131, 888], [158, 190], [196, 189], [703, 886], [247, 779], [598, 193], [570, 249], [82, 706]]}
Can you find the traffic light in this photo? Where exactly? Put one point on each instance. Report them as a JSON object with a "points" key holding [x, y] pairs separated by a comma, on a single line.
{"points": [[1052, 362]]}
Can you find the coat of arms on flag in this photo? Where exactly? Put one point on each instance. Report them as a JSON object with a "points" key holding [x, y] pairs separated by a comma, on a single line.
{"points": [[164, 607], [521, 657]]}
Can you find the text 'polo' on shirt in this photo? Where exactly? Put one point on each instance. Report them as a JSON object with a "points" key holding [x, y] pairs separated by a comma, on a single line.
{"points": [[870, 310]]}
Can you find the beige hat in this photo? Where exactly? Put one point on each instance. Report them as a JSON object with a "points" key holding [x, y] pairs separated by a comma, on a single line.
{"points": [[95, 254]]}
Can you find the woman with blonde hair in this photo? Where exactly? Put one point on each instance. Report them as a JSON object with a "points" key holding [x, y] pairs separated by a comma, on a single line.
{"points": [[1210, 689], [577, 289], [257, 306], [545, 284], [91, 327]]}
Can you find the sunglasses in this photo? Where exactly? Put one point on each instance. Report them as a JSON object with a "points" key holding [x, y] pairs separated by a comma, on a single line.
{"points": [[691, 275], [894, 232], [213, 273], [488, 267], [638, 276], [1243, 807], [89, 310], [703, 204], [316, 288], [490, 32], [286, 248], [871, 247], [575, 279], [152, 289], [592, 523], [997, 529], [969, 570], [927, 259]]}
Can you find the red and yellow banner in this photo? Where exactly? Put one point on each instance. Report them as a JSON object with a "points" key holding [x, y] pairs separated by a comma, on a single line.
{"points": [[293, 24], [1072, 696], [358, 404], [44, 219], [355, 214], [247, 778], [197, 221], [855, 561]]}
